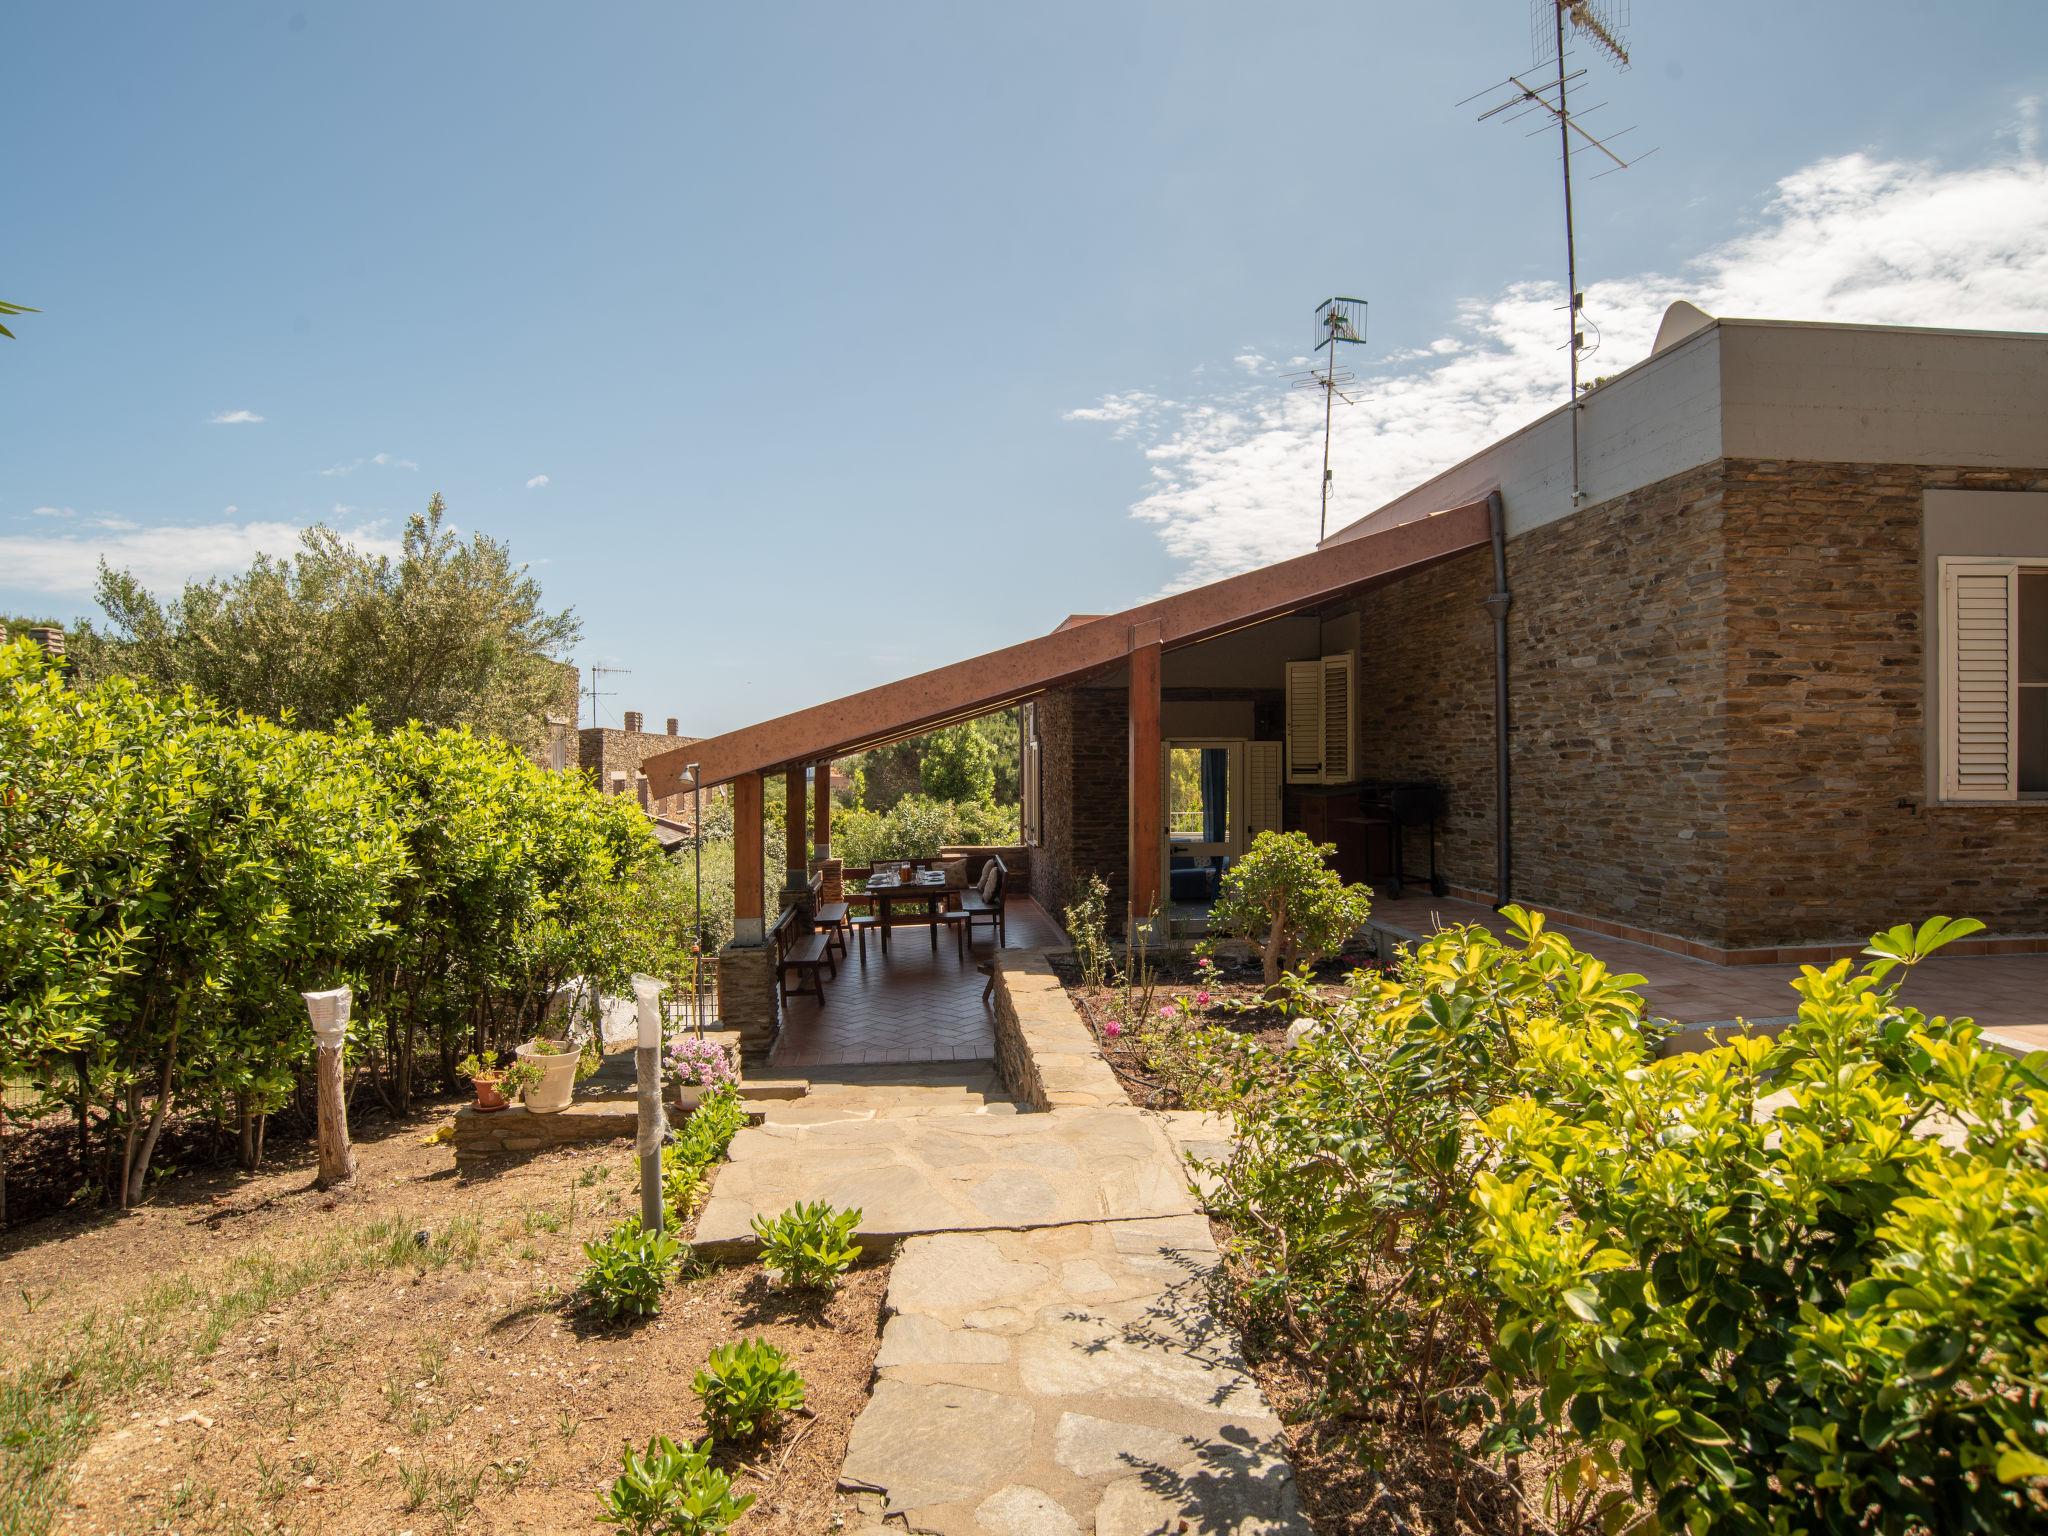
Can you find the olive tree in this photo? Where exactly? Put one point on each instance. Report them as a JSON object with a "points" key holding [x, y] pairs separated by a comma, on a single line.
{"points": [[1283, 897]]}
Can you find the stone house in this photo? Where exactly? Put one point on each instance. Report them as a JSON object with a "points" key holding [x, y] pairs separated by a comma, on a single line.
{"points": [[613, 759], [1744, 657]]}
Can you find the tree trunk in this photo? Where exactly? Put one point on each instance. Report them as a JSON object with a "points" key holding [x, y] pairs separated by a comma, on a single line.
{"points": [[139, 1168], [337, 1157], [3, 1168], [245, 1127], [1269, 953]]}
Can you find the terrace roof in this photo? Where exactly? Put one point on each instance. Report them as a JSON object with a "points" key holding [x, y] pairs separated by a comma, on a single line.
{"points": [[1079, 647]]}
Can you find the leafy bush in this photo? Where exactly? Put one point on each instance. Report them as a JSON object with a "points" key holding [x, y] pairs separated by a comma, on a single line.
{"points": [[628, 1271], [1283, 898], [917, 827], [1348, 1191], [1087, 923], [809, 1246], [1755, 1285], [671, 1490], [688, 1158], [745, 1387]]}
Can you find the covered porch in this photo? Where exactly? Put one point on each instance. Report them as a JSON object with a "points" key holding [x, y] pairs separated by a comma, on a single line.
{"points": [[909, 1003]]}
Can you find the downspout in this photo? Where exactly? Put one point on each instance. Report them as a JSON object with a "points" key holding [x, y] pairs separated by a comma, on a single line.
{"points": [[1497, 605]]}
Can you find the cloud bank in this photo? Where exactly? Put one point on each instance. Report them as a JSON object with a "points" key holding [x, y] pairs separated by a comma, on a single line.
{"points": [[233, 418], [162, 558], [1234, 473]]}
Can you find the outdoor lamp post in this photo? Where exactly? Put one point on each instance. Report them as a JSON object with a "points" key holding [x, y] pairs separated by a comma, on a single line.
{"points": [[329, 1012], [696, 790], [653, 1127]]}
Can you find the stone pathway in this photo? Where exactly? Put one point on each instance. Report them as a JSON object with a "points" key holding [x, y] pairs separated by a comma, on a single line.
{"points": [[1062, 1380], [1050, 1364]]}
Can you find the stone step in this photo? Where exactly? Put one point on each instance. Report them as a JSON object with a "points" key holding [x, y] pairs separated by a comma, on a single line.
{"points": [[919, 1173]]}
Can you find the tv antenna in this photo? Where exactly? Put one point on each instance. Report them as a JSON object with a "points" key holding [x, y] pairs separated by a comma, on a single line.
{"points": [[1604, 25], [591, 691], [1338, 321]]}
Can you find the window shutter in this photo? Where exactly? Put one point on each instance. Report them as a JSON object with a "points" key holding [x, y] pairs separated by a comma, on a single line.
{"points": [[1339, 746], [1979, 644], [1262, 789], [1304, 722]]}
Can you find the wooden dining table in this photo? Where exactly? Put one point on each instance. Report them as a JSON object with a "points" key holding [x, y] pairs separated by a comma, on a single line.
{"points": [[887, 891]]}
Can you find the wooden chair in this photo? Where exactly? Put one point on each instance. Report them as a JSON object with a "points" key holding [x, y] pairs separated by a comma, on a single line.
{"points": [[806, 954], [980, 908], [861, 927]]}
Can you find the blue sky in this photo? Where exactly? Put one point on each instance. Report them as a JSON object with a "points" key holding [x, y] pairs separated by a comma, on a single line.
{"points": [[801, 311]]}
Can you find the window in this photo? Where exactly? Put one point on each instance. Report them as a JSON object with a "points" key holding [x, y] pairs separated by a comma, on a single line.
{"points": [[1198, 794], [1321, 724], [1994, 680]]}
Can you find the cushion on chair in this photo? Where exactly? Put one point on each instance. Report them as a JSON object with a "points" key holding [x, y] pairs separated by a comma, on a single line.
{"points": [[991, 872], [955, 871]]}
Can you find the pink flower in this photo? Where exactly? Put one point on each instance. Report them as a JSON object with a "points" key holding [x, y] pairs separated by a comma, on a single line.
{"points": [[1112, 1029], [1165, 1012], [1202, 999]]}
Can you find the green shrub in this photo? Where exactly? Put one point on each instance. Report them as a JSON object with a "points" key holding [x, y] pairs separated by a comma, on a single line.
{"points": [[809, 1246], [745, 1387], [687, 1160], [917, 827], [628, 1271], [1283, 898], [671, 1490], [1347, 1192], [1756, 1288], [1087, 924]]}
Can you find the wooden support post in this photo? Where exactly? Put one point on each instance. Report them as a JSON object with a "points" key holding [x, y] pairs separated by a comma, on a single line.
{"points": [[796, 831], [1148, 824], [821, 812], [747, 874], [329, 1013]]}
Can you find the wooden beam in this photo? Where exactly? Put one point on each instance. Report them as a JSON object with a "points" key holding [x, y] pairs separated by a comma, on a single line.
{"points": [[1000, 678], [1148, 815], [821, 810], [747, 875]]}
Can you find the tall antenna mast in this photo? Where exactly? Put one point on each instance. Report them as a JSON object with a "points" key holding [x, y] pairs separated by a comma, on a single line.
{"points": [[1603, 23], [591, 693], [1337, 320]]}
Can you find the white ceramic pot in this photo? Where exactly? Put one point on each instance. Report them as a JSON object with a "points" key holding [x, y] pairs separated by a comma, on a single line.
{"points": [[689, 1096], [557, 1079]]}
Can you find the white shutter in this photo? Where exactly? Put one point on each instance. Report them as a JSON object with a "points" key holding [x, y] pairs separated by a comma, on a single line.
{"points": [[1979, 680], [1262, 788], [1304, 722], [1339, 731]]}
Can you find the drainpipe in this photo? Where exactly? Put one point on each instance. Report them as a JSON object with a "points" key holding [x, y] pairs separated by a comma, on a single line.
{"points": [[1497, 605]]}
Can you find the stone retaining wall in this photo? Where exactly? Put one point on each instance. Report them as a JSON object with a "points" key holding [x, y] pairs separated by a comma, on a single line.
{"points": [[1045, 1052], [481, 1138]]}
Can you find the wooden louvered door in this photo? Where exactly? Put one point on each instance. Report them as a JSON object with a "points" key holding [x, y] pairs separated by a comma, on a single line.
{"points": [[1304, 722]]}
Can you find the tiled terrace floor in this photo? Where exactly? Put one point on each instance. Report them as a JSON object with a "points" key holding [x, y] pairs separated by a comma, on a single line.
{"points": [[912, 1005], [2007, 994]]}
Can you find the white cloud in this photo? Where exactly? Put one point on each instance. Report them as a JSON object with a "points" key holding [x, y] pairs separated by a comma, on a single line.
{"points": [[381, 460], [537, 482], [163, 558], [234, 418], [65, 512], [1234, 474]]}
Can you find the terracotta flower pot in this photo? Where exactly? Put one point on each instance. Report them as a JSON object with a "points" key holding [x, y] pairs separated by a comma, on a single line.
{"points": [[487, 1096]]}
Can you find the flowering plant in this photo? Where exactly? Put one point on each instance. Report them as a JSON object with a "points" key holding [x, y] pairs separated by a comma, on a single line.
{"points": [[693, 1061]]}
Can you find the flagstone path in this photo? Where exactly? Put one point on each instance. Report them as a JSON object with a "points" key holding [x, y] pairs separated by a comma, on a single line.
{"points": [[1050, 1362]]}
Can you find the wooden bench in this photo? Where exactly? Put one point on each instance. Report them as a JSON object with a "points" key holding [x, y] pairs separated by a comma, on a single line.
{"points": [[805, 954], [978, 908], [833, 919]]}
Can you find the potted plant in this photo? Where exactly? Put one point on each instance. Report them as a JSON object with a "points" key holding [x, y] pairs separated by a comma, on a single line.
{"points": [[693, 1066], [555, 1063], [488, 1079]]}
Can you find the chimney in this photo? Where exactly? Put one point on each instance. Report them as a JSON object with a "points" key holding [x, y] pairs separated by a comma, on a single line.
{"points": [[633, 721], [672, 725], [51, 640], [646, 792]]}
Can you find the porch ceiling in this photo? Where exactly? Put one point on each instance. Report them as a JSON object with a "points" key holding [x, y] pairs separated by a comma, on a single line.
{"points": [[1016, 672]]}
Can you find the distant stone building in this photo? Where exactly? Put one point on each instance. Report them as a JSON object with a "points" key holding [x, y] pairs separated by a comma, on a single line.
{"points": [[613, 758]]}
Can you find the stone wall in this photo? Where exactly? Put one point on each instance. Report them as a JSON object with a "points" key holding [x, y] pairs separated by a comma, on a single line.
{"points": [[1831, 833], [1044, 1050], [1083, 746], [604, 753], [1617, 661], [483, 1137]]}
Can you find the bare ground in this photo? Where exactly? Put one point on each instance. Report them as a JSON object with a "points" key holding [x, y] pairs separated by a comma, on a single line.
{"points": [[312, 1364]]}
